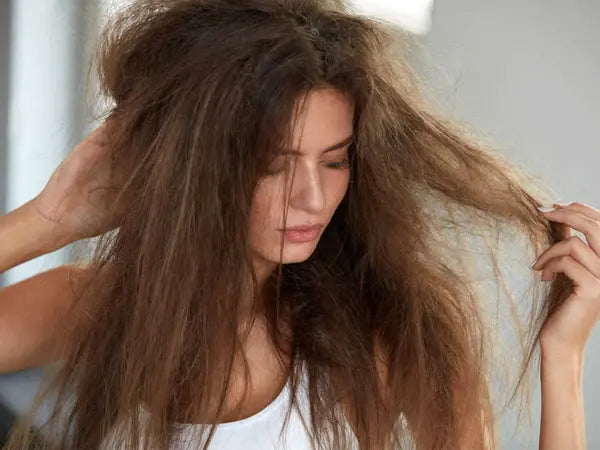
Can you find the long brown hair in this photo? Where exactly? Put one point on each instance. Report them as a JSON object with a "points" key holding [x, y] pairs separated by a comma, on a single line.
{"points": [[203, 91]]}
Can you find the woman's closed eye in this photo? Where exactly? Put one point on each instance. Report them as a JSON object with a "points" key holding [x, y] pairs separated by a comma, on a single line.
{"points": [[343, 164], [336, 165]]}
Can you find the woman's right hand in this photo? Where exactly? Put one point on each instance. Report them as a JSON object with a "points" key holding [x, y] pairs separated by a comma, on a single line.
{"points": [[79, 198]]}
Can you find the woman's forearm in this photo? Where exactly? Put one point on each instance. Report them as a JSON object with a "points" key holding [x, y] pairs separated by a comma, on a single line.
{"points": [[562, 423], [25, 235]]}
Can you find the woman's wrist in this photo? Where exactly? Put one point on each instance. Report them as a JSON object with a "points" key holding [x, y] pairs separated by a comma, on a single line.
{"points": [[566, 361], [555, 351], [563, 419], [25, 235], [568, 366]]}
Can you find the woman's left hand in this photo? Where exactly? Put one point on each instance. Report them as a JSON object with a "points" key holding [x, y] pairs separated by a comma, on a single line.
{"points": [[569, 327]]}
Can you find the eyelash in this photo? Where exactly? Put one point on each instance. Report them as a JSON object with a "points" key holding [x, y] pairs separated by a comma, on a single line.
{"points": [[337, 165]]}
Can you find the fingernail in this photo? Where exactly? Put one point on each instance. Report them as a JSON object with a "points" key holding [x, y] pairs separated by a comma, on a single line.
{"points": [[561, 203], [545, 208]]}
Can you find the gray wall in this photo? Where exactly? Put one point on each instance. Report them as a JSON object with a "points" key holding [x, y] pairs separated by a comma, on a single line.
{"points": [[527, 74]]}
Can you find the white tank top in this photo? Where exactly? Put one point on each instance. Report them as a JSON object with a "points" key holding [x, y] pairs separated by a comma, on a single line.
{"points": [[262, 430]]}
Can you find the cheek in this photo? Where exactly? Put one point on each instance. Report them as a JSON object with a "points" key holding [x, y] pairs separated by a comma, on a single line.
{"points": [[266, 204], [338, 189]]}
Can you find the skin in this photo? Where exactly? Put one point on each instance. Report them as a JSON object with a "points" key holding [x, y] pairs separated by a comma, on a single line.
{"points": [[567, 331], [319, 181], [317, 190], [318, 186]]}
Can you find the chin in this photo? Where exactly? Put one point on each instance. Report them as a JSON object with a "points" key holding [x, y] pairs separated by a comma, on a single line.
{"points": [[294, 253]]}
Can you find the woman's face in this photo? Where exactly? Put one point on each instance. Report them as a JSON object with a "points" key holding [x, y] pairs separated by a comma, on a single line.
{"points": [[319, 182]]}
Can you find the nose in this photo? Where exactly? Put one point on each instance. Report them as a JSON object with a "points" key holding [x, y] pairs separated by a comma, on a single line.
{"points": [[308, 190]]}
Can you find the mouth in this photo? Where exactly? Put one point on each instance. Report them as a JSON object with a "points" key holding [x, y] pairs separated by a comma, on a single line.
{"points": [[304, 228], [303, 233]]}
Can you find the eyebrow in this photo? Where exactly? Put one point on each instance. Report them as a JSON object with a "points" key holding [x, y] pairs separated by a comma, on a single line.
{"points": [[342, 144]]}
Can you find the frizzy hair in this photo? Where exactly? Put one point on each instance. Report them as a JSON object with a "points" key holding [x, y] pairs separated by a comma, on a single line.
{"points": [[202, 93]]}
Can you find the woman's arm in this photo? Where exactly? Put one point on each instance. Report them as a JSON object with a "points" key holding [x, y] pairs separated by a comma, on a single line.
{"points": [[31, 310], [78, 202], [25, 235], [566, 331], [32, 314], [562, 423]]}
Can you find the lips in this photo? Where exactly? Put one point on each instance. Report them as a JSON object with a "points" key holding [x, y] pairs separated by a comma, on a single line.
{"points": [[304, 228]]}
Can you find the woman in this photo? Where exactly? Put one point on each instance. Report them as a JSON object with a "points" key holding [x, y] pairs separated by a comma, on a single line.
{"points": [[233, 123]]}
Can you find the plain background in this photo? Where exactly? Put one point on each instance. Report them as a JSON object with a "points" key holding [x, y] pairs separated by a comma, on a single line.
{"points": [[525, 72]]}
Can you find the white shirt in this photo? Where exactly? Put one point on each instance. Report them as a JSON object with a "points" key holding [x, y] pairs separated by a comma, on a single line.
{"points": [[260, 431]]}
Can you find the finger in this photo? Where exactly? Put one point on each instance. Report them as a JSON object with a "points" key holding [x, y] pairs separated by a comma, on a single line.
{"points": [[580, 222], [576, 248], [586, 282], [582, 208]]}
